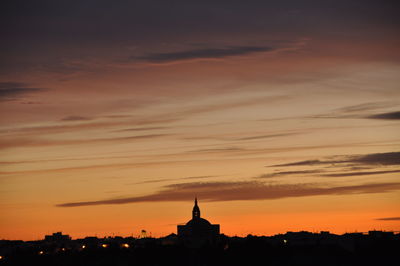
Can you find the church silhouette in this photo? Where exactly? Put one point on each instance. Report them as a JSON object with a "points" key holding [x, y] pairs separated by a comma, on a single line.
{"points": [[198, 231]]}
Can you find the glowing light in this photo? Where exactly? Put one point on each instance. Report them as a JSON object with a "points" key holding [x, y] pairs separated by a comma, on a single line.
{"points": [[104, 245], [284, 241], [125, 245], [1, 257], [41, 252], [83, 246], [63, 249]]}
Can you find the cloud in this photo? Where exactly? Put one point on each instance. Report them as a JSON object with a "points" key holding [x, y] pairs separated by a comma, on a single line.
{"points": [[289, 173], [218, 150], [388, 219], [230, 105], [363, 110], [172, 179], [145, 120], [364, 107], [268, 136], [7, 143], [92, 125], [76, 118], [208, 53], [7, 85], [307, 162], [199, 177], [10, 91], [244, 190], [361, 173], [319, 171], [228, 137], [386, 116], [141, 129], [389, 158]]}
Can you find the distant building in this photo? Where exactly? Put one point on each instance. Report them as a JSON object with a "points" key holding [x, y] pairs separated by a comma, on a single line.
{"points": [[380, 234], [57, 237], [143, 234], [198, 231], [169, 240]]}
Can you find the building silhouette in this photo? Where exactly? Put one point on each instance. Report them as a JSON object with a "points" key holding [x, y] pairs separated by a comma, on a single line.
{"points": [[292, 248], [198, 231], [57, 237]]}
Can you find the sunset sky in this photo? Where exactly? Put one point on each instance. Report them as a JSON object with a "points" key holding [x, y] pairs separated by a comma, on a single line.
{"points": [[279, 115]]}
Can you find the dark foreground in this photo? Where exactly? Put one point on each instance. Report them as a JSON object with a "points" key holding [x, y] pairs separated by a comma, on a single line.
{"points": [[296, 249]]}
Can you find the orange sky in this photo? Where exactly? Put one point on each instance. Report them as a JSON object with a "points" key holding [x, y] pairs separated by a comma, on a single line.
{"points": [[274, 129]]}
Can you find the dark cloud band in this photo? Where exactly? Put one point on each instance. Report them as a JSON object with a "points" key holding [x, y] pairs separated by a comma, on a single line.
{"points": [[388, 219], [290, 173], [10, 91], [386, 116], [361, 173], [202, 54], [388, 158], [246, 190]]}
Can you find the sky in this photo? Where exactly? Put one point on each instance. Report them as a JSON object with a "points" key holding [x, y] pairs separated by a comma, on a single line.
{"points": [[278, 115]]}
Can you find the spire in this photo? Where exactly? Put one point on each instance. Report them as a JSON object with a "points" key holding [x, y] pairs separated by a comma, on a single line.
{"points": [[196, 210]]}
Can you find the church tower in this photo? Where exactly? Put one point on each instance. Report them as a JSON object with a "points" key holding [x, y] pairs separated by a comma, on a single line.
{"points": [[198, 231], [196, 210]]}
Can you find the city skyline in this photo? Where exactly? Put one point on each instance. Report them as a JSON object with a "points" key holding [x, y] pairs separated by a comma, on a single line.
{"points": [[278, 115], [294, 248]]}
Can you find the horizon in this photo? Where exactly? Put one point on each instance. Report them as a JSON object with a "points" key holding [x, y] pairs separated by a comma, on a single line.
{"points": [[279, 116], [173, 233]]}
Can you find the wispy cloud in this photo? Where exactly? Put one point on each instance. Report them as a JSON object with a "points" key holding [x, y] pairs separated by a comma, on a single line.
{"points": [[320, 172], [10, 91], [146, 120], [232, 137], [198, 177], [7, 143], [389, 158], [245, 190], [141, 129], [364, 110], [361, 173], [172, 179], [218, 150], [386, 116], [388, 219], [306, 163], [232, 104], [290, 173], [370, 106], [267, 136], [207, 53], [90, 125], [76, 118], [165, 159]]}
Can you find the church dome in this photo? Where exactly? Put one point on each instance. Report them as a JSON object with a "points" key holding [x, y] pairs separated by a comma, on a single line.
{"points": [[198, 231], [198, 222]]}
